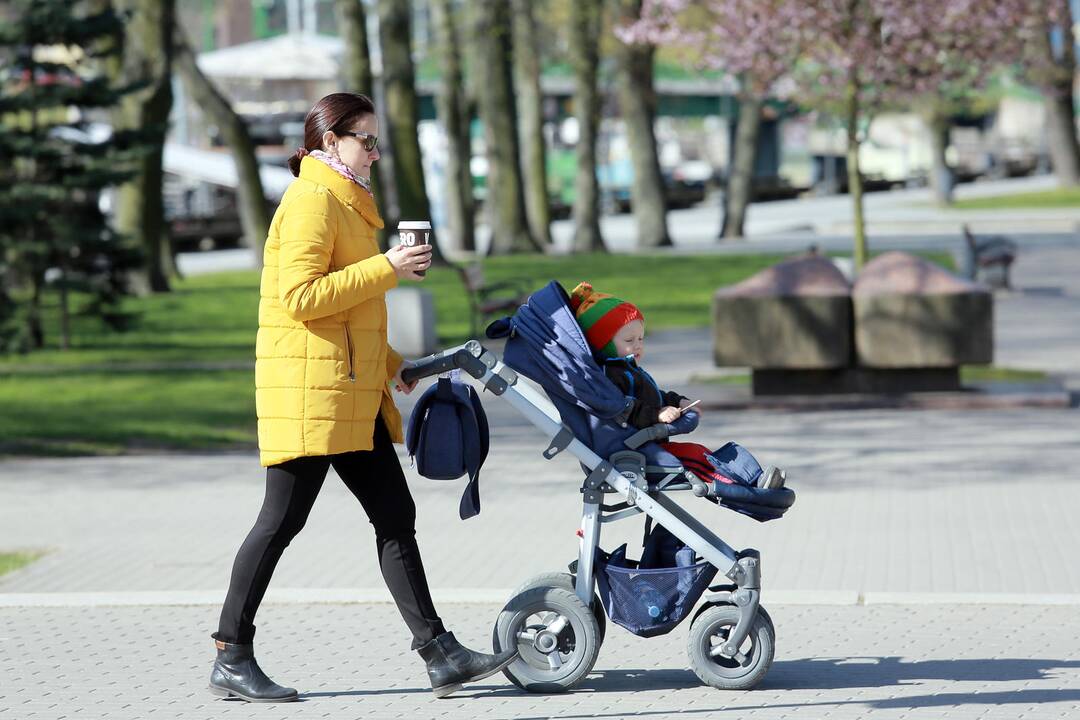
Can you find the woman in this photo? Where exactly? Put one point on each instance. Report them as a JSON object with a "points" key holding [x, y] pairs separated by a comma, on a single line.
{"points": [[321, 375]]}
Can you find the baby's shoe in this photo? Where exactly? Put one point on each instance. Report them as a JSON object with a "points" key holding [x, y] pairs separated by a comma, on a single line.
{"points": [[772, 478]]}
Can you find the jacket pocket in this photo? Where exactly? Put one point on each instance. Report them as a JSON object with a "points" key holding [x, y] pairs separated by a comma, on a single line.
{"points": [[349, 353]]}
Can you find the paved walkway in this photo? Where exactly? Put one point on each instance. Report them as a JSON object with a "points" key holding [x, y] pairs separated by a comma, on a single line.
{"points": [[352, 661], [961, 509]]}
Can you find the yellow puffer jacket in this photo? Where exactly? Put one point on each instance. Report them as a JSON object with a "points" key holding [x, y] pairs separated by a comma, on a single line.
{"points": [[321, 358]]}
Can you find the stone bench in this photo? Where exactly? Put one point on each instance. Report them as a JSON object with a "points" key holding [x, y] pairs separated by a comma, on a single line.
{"points": [[906, 325], [795, 314], [910, 313]]}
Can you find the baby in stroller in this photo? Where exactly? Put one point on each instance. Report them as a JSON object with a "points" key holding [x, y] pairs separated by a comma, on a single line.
{"points": [[615, 330], [558, 620]]}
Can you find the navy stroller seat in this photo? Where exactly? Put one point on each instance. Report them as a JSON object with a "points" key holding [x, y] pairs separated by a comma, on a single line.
{"points": [[546, 344]]}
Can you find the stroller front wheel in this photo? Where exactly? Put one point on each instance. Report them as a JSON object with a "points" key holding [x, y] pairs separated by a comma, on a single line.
{"points": [[556, 636], [710, 630]]}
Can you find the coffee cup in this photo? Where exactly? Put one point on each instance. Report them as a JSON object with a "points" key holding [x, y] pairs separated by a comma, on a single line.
{"points": [[415, 232]]}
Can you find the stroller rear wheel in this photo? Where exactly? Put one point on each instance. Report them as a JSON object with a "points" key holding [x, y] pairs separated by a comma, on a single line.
{"points": [[555, 634], [566, 581], [708, 632]]}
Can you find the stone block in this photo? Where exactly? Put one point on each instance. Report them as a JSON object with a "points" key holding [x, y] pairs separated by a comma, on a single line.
{"points": [[410, 321], [795, 314], [910, 313]]}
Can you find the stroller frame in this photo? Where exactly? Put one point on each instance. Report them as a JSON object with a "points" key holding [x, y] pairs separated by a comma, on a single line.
{"points": [[620, 475]]}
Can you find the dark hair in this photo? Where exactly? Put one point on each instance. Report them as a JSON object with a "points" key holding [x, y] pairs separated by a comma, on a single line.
{"points": [[334, 113]]}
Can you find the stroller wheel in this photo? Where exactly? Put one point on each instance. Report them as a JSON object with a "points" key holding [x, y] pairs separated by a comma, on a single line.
{"points": [[566, 581], [555, 634], [710, 629]]}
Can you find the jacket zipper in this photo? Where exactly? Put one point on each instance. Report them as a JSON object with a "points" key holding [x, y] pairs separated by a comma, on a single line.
{"points": [[349, 352]]}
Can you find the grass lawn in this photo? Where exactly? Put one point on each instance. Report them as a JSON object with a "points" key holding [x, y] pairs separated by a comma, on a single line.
{"points": [[117, 392], [1057, 198], [10, 561]]}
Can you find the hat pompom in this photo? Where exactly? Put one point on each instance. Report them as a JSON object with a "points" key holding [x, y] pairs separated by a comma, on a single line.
{"points": [[579, 294]]}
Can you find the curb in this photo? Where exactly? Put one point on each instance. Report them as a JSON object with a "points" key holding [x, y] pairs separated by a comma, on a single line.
{"points": [[497, 596]]}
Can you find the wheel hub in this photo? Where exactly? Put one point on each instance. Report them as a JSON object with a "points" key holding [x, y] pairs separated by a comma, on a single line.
{"points": [[546, 641]]}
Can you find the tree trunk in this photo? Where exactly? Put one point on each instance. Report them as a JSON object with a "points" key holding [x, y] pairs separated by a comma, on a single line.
{"points": [[254, 215], [140, 212], [453, 111], [586, 17], [402, 113], [352, 20], [1056, 84], [854, 175], [531, 120], [739, 192], [65, 311], [1061, 140], [637, 100], [941, 175], [505, 201], [35, 328]]}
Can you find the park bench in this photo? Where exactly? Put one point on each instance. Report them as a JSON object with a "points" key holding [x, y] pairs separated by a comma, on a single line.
{"points": [[488, 299]]}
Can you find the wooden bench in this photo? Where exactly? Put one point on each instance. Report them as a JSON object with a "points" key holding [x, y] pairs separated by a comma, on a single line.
{"points": [[488, 299]]}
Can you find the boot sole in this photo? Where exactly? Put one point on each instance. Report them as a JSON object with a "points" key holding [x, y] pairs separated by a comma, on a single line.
{"points": [[444, 690], [226, 693]]}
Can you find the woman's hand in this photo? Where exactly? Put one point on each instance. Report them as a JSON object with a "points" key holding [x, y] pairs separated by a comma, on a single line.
{"points": [[669, 414], [407, 261], [399, 384]]}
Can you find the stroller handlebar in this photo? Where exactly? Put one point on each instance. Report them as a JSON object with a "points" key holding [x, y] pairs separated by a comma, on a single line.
{"points": [[466, 357]]}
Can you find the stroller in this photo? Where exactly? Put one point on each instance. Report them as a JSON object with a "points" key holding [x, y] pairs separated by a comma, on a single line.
{"points": [[556, 620]]}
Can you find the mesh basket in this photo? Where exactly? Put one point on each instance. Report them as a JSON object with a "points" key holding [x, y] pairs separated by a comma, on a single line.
{"points": [[650, 602]]}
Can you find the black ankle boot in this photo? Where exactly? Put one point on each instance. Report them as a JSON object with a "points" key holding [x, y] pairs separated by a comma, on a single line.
{"points": [[449, 663], [237, 674]]}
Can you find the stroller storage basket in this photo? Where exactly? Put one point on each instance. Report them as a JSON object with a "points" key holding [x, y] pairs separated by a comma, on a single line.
{"points": [[650, 602]]}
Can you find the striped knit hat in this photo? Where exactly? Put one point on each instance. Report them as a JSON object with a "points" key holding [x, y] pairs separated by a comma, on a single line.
{"points": [[601, 316]]}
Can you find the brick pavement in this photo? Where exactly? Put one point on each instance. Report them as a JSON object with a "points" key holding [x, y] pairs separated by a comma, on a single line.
{"points": [[353, 661], [901, 501]]}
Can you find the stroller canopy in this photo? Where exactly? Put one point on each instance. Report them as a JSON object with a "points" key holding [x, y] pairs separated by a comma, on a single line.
{"points": [[546, 344]]}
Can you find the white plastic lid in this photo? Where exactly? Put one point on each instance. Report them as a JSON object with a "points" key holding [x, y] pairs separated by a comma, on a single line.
{"points": [[414, 225]]}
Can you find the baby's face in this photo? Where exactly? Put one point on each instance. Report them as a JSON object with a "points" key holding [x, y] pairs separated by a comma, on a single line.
{"points": [[630, 340]]}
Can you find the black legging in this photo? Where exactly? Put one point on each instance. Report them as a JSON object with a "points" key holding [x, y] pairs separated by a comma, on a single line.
{"points": [[375, 478]]}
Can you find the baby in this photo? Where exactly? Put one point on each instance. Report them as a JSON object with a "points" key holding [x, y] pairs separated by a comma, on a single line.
{"points": [[615, 331]]}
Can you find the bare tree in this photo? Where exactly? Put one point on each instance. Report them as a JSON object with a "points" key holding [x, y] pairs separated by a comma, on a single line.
{"points": [[352, 19], [505, 201], [140, 211], [1052, 66], [254, 214], [637, 100], [395, 40], [586, 18], [453, 110], [531, 119]]}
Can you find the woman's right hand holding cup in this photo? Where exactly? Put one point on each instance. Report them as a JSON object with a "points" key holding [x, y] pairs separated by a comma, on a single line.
{"points": [[408, 261]]}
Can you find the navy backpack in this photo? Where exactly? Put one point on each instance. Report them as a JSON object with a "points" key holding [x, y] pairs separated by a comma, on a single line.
{"points": [[448, 437]]}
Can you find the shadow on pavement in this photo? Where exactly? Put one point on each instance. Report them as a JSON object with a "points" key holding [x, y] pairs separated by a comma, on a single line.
{"points": [[856, 672]]}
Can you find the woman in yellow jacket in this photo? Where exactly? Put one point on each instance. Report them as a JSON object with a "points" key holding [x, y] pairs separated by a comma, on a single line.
{"points": [[322, 375]]}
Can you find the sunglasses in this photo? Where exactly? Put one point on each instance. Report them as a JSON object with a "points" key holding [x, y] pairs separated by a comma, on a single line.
{"points": [[369, 141]]}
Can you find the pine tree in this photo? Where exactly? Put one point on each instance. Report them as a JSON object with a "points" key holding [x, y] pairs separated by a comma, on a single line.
{"points": [[55, 162]]}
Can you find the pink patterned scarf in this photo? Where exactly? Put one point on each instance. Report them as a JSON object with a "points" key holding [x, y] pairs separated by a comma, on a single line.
{"points": [[341, 168]]}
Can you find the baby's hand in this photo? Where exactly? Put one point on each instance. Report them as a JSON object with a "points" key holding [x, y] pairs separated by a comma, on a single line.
{"points": [[684, 403], [669, 414]]}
